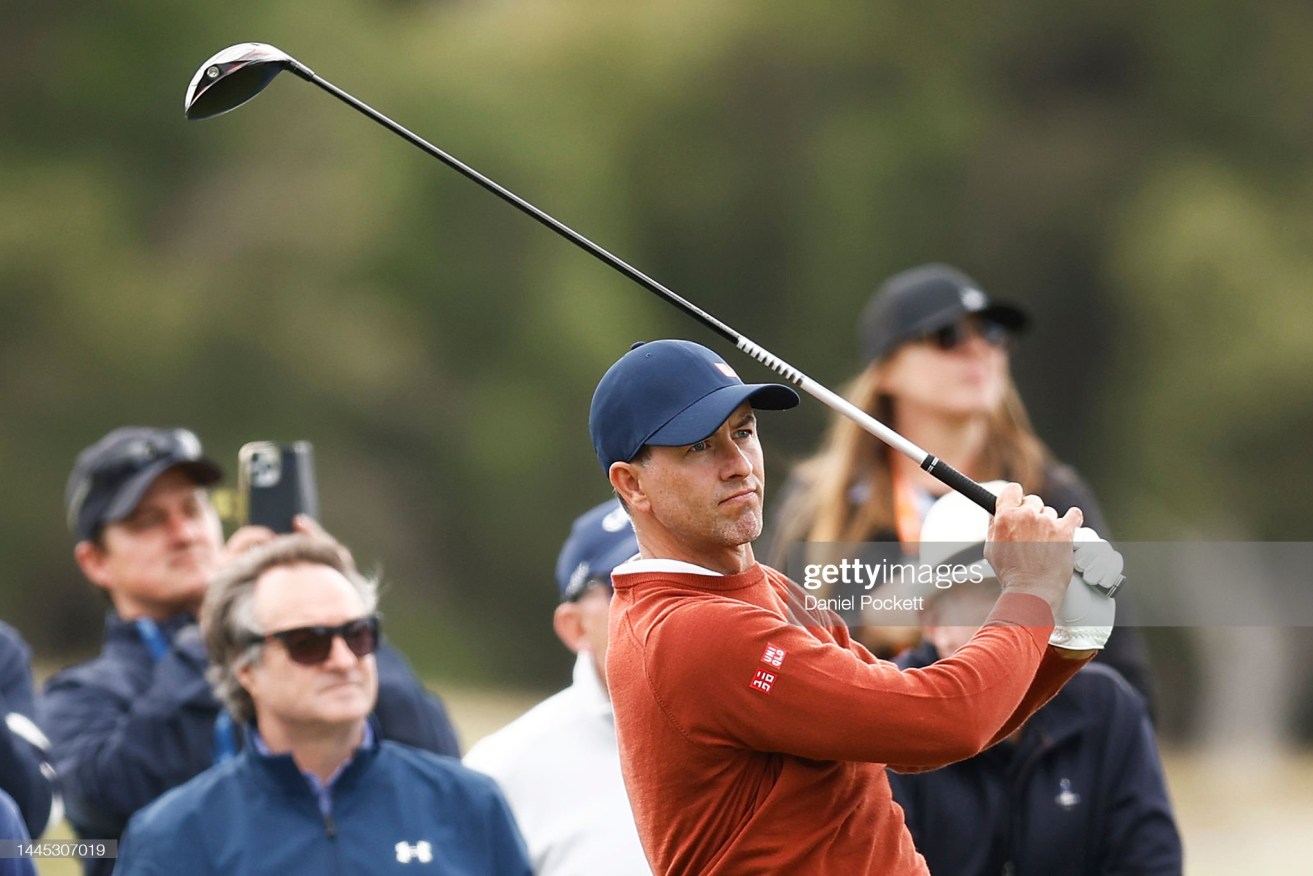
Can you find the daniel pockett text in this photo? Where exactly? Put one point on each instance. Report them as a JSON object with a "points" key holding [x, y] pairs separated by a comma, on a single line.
{"points": [[865, 602]]}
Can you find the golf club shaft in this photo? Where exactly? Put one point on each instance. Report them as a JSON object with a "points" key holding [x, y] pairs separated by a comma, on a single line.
{"points": [[930, 463]]}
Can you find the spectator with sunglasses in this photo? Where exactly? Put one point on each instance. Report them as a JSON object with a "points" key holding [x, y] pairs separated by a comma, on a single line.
{"points": [[140, 718], [936, 349], [558, 763], [291, 630]]}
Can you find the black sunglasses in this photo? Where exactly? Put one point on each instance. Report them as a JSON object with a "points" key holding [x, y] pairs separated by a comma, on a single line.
{"points": [[955, 334], [311, 646]]}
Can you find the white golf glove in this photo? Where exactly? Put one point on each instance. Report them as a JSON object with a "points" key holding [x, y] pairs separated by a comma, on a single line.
{"points": [[1096, 561], [1084, 621]]}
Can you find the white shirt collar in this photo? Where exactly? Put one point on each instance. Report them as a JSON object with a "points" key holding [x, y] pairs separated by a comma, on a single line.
{"points": [[657, 564]]}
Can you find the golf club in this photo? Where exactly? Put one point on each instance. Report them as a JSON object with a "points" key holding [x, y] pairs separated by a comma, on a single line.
{"points": [[238, 73]]}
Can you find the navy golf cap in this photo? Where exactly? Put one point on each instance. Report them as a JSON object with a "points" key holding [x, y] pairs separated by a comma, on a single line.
{"points": [[110, 477], [924, 299], [600, 539], [670, 393]]}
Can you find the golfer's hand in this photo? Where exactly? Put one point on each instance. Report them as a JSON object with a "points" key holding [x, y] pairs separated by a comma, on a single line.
{"points": [[1030, 546]]}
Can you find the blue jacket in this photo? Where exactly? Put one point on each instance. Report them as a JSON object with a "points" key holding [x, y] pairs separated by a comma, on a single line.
{"points": [[22, 754], [126, 726], [393, 809], [1081, 794], [12, 828]]}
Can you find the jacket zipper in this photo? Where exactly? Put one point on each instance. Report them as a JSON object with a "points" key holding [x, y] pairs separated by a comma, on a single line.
{"points": [[1018, 781], [330, 829]]}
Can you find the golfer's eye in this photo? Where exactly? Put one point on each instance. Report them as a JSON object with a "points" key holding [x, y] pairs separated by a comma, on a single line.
{"points": [[699, 447]]}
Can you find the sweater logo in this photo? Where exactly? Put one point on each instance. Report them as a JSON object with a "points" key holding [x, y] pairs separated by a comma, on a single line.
{"points": [[421, 851], [1067, 798], [764, 679]]}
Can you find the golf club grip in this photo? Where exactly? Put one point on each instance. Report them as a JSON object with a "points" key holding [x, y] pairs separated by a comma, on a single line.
{"points": [[946, 474]]}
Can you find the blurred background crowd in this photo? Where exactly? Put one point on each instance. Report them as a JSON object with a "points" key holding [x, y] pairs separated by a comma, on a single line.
{"points": [[1135, 175]]}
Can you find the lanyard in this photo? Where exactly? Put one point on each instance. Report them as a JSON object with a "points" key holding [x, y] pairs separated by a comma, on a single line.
{"points": [[154, 639], [907, 516], [225, 737]]}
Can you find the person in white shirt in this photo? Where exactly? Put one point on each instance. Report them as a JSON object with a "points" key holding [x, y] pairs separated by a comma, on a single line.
{"points": [[558, 764]]}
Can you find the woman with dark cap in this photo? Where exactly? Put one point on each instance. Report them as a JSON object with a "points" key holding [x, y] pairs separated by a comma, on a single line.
{"points": [[937, 351]]}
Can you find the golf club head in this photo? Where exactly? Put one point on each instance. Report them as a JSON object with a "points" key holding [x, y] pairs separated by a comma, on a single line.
{"points": [[232, 77]]}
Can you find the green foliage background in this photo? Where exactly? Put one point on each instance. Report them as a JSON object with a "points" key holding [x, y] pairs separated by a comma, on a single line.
{"points": [[1136, 174]]}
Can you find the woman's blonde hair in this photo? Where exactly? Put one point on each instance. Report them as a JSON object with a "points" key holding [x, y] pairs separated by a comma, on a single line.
{"points": [[845, 491]]}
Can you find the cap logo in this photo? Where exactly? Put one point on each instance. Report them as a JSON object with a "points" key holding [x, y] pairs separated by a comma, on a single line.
{"points": [[616, 520], [973, 299], [577, 578], [727, 371], [188, 444]]}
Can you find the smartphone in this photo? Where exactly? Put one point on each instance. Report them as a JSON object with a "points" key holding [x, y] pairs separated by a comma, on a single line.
{"points": [[277, 482]]}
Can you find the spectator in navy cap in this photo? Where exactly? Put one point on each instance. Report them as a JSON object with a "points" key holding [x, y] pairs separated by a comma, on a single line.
{"points": [[140, 718], [557, 763]]}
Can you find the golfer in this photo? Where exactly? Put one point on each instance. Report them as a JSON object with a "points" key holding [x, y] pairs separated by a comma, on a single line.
{"points": [[753, 734]]}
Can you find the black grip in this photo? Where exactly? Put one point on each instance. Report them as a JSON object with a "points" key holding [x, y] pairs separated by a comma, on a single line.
{"points": [[960, 482]]}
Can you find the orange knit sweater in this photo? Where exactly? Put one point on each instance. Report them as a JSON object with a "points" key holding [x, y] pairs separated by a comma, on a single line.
{"points": [[752, 743]]}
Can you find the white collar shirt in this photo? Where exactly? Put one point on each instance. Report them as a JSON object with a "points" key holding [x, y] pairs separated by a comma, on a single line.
{"points": [[560, 771]]}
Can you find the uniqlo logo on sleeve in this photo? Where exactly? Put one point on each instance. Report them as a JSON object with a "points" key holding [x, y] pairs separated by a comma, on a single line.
{"points": [[762, 681], [774, 655]]}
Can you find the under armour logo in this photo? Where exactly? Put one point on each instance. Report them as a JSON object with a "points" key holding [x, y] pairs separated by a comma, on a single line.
{"points": [[616, 520], [420, 851], [973, 299]]}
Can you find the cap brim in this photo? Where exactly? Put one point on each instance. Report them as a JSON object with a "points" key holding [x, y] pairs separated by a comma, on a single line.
{"points": [[705, 415], [202, 471], [1007, 315]]}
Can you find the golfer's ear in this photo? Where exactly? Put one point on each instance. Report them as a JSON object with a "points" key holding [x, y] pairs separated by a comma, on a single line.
{"points": [[626, 480], [569, 627]]}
